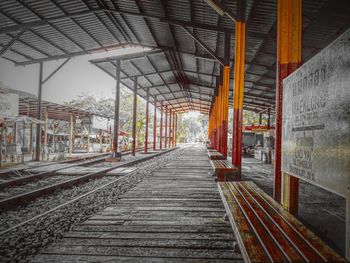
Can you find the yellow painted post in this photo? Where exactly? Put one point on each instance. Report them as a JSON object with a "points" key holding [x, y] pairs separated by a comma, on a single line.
{"points": [[238, 93], [225, 97], [289, 35]]}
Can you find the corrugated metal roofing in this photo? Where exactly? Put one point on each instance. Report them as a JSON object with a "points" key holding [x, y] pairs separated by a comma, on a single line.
{"points": [[54, 29]]}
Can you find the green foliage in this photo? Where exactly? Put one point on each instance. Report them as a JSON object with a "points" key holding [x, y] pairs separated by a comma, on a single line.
{"points": [[105, 107], [192, 126]]}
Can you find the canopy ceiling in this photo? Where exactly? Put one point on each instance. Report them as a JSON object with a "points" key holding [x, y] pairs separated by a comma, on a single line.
{"points": [[180, 71]]}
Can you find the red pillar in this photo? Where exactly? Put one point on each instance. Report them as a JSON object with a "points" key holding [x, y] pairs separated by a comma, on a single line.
{"points": [[134, 113], [289, 35], [155, 125], [146, 128], [170, 113], [240, 34], [173, 137], [166, 127], [175, 128], [161, 126]]}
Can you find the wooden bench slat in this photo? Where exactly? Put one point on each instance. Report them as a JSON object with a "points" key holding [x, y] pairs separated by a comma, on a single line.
{"points": [[273, 251], [287, 247], [242, 229], [322, 249], [298, 241], [273, 230]]}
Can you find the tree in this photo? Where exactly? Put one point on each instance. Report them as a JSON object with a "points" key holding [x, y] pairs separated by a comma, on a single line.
{"points": [[192, 126], [105, 107]]}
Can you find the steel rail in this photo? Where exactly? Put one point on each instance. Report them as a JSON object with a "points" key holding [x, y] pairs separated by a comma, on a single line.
{"points": [[21, 199], [84, 195]]}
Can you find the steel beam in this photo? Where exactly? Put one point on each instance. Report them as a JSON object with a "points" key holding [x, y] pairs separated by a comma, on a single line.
{"points": [[12, 41], [56, 70], [46, 21], [203, 45]]}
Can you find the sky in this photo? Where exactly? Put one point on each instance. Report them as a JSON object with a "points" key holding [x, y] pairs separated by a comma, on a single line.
{"points": [[74, 78]]}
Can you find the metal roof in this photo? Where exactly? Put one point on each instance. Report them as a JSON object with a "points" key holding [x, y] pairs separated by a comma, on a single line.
{"points": [[28, 106], [34, 31]]}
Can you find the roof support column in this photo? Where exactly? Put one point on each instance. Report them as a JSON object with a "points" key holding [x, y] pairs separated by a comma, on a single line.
{"points": [[155, 124], [226, 96], [146, 128], [238, 94], [71, 137], [219, 118], [173, 135], [38, 115], [134, 115], [175, 128], [161, 126], [116, 154], [170, 129], [46, 151], [166, 126], [289, 32]]}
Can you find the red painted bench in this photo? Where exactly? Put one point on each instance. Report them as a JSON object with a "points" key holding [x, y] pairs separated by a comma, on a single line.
{"points": [[215, 155], [224, 170], [266, 232]]}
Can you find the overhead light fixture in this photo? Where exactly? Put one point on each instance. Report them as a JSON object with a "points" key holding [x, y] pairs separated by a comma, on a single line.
{"points": [[220, 9]]}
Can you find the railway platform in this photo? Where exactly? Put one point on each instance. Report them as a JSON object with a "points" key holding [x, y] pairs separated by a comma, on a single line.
{"points": [[175, 214]]}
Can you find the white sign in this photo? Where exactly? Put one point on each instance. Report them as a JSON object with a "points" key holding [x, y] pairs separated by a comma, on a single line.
{"points": [[8, 105], [102, 123], [316, 119]]}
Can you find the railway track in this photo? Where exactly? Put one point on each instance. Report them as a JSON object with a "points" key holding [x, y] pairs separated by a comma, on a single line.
{"points": [[49, 182], [19, 172], [141, 164], [33, 173]]}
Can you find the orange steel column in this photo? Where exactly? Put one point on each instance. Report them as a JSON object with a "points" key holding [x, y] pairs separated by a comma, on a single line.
{"points": [[289, 34], [216, 120], [240, 35], [225, 98], [219, 120]]}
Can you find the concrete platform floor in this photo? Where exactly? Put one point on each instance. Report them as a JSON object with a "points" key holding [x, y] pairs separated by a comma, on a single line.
{"points": [[322, 211]]}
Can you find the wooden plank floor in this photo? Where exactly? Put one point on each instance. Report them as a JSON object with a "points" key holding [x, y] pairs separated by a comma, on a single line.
{"points": [[175, 215]]}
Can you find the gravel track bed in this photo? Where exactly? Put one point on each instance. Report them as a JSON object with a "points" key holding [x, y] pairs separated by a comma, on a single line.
{"points": [[12, 176], [26, 240], [50, 180]]}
